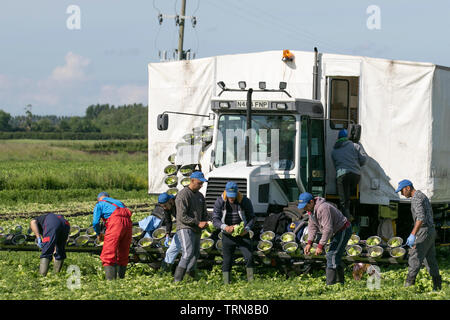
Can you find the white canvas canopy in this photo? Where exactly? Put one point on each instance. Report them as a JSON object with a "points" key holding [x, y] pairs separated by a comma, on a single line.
{"points": [[404, 110]]}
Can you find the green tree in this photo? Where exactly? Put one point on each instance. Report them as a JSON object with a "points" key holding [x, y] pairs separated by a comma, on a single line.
{"points": [[64, 125], [43, 125], [4, 121]]}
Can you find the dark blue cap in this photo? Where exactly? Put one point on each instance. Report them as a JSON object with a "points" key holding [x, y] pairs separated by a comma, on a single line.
{"points": [[342, 134], [303, 199], [103, 194], [198, 175], [232, 189], [164, 197], [402, 184]]}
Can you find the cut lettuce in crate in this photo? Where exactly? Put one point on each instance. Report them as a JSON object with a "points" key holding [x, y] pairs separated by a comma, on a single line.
{"points": [[395, 242], [354, 250], [206, 244], [354, 239], [267, 236], [170, 170], [373, 241], [264, 245], [287, 237]]}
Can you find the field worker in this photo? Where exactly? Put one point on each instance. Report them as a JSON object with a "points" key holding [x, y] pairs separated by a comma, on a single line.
{"points": [[422, 237], [51, 232], [167, 203], [192, 217], [325, 218], [232, 208], [118, 235], [348, 158]]}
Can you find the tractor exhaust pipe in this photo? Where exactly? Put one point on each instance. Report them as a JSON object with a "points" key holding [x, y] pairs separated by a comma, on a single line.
{"points": [[249, 127], [315, 93]]}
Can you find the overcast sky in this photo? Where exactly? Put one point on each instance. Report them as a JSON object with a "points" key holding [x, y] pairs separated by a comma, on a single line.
{"points": [[61, 67]]}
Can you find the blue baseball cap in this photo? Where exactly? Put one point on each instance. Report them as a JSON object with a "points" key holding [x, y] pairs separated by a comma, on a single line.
{"points": [[103, 194], [232, 189], [164, 197], [402, 184], [303, 199], [342, 134], [198, 175]]}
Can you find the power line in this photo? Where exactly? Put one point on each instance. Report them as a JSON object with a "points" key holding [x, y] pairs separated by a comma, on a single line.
{"points": [[288, 30]]}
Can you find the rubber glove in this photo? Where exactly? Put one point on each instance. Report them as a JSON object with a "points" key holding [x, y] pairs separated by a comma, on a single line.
{"points": [[39, 243], [410, 241], [166, 243]]}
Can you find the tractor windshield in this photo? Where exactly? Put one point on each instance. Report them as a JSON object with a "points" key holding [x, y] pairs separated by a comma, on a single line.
{"points": [[272, 140]]}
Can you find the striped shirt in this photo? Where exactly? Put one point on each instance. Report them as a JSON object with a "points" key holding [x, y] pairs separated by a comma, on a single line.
{"points": [[421, 209], [233, 218]]}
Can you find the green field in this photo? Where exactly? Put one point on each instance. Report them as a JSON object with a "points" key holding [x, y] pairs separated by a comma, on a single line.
{"points": [[66, 176]]}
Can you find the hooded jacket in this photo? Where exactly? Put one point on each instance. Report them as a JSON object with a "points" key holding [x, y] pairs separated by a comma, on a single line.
{"points": [[348, 157], [245, 211], [326, 219]]}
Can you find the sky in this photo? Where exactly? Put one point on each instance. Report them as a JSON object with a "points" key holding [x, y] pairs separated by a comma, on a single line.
{"points": [[60, 60]]}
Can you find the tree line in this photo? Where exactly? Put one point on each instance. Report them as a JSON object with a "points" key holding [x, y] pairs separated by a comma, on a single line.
{"points": [[101, 121]]}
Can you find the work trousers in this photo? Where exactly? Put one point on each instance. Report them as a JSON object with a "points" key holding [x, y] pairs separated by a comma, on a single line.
{"points": [[337, 247], [173, 250], [118, 235], [190, 248], [55, 233], [345, 184], [229, 245], [423, 252]]}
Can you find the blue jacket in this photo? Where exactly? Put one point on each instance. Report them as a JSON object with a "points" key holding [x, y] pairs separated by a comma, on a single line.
{"points": [[245, 211], [348, 157], [104, 210]]}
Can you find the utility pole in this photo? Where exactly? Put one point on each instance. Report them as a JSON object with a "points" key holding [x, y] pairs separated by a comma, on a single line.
{"points": [[180, 19], [181, 33]]}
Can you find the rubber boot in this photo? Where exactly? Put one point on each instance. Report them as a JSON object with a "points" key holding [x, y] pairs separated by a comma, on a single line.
{"points": [[331, 276], [226, 277], [43, 267], [192, 274], [57, 265], [179, 274], [437, 283], [166, 267], [121, 271], [110, 272], [249, 274], [410, 281], [340, 274]]}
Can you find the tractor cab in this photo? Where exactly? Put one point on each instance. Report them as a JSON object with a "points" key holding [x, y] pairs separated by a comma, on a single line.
{"points": [[273, 148]]}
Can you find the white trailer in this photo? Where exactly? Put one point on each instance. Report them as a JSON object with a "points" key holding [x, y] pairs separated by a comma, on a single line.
{"points": [[402, 107]]}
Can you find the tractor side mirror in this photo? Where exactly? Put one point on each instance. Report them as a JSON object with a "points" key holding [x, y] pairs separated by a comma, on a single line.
{"points": [[163, 121]]}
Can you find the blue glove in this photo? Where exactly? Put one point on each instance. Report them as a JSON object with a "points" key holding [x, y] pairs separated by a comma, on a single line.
{"points": [[39, 242], [410, 241], [166, 243]]}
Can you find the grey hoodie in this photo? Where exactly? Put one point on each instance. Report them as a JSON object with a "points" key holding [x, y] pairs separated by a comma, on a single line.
{"points": [[190, 209], [326, 219], [348, 157]]}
